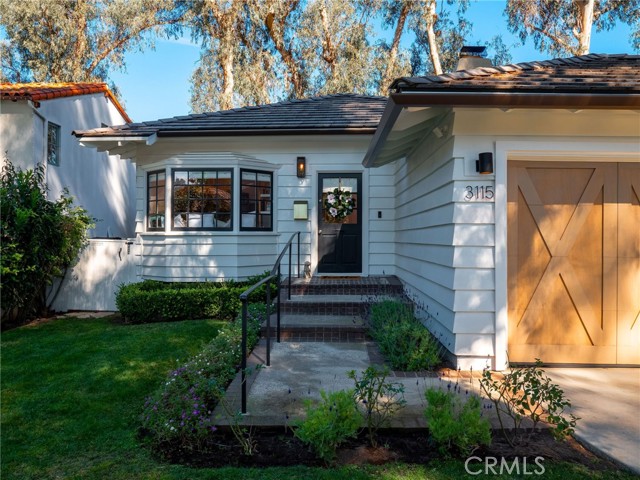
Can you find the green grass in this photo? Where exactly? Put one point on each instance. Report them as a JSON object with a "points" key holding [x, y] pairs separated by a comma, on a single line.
{"points": [[72, 391]]}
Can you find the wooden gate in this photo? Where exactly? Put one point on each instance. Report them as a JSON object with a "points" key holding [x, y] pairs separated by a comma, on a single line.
{"points": [[574, 262]]}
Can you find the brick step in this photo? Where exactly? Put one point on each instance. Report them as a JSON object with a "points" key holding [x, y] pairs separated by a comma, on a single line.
{"points": [[365, 286]]}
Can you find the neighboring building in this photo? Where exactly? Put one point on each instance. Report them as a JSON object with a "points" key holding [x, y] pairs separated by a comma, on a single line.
{"points": [[36, 121], [536, 251]]}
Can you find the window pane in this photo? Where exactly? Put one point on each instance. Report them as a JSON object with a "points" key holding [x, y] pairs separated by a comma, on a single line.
{"points": [[264, 179], [224, 174], [195, 177], [248, 178], [180, 178]]}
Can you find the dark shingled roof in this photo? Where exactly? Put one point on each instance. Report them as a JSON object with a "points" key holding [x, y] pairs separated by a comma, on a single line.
{"points": [[593, 73], [336, 114]]}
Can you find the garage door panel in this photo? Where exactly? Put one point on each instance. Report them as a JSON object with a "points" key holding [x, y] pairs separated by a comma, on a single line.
{"points": [[629, 264], [563, 290]]}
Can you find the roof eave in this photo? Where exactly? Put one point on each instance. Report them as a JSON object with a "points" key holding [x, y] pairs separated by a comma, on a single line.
{"points": [[265, 131], [511, 99], [388, 120]]}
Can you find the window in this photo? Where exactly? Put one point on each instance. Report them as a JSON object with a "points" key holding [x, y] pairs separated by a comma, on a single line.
{"points": [[53, 143], [202, 199], [155, 200], [256, 203]]}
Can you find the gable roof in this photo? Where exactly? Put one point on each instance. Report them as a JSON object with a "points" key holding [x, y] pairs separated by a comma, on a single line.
{"points": [[36, 92], [330, 114], [613, 78], [594, 81]]}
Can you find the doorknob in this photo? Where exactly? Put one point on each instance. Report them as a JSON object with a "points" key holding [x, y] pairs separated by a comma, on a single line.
{"points": [[319, 232]]}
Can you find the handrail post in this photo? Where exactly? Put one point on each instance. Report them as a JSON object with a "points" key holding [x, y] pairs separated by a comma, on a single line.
{"points": [[299, 265], [268, 310], [243, 365], [278, 307], [289, 293]]}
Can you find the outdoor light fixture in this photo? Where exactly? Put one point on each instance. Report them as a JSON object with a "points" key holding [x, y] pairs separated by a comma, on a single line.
{"points": [[301, 167], [484, 164]]}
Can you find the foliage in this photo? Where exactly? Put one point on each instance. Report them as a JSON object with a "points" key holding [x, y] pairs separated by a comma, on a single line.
{"points": [[339, 204], [526, 392], [402, 339], [377, 398], [455, 424], [181, 411], [329, 423], [564, 28], [152, 301], [80, 40], [40, 239]]}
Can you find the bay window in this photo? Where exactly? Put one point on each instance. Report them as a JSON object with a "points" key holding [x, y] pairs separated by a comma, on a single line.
{"points": [[256, 202], [202, 199]]}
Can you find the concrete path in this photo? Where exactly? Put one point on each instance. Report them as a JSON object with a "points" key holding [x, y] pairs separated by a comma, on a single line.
{"points": [[606, 399], [608, 402]]}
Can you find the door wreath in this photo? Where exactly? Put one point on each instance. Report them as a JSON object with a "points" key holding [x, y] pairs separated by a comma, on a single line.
{"points": [[339, 204]]}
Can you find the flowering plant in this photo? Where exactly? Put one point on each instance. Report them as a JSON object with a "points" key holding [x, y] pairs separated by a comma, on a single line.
{"points": [[339, 204]]}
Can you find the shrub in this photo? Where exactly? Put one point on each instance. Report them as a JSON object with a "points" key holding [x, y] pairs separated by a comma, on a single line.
{"points": [[180, 412], [526, 392], [40, 240], [403, 340], [454, 424], [377, 398], [152, 301], [329, 423]]}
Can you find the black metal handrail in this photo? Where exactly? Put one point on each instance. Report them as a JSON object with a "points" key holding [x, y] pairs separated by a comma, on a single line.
{"points": [[244, 297]]}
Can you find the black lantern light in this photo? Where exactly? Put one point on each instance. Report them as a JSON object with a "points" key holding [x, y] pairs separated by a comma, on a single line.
{"points": [[484, 164], [301, 167]]}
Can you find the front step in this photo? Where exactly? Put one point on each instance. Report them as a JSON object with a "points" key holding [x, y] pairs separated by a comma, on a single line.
{"points": [[324, 305], [319, 328], [363, 286]]}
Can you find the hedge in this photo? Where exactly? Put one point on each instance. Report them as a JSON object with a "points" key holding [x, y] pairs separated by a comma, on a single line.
{"points": [[153, 301]]}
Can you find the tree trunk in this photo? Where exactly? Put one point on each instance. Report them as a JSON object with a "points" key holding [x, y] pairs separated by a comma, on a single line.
{"points": [[585, 8], [431, 38], [393, 52]]}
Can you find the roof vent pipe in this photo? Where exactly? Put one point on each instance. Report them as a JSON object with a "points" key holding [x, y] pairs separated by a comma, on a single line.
{"points": [[473, 57]]}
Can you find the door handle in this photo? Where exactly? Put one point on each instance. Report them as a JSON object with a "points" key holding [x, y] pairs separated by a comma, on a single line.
{"points": [[319, 232]]}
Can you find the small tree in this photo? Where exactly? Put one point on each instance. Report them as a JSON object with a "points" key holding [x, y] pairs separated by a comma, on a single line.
{"points": [[40, 239]]}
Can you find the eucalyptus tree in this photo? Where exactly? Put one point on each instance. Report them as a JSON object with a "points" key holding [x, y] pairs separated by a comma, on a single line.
{"points": [[79, 40], [563, 27]]}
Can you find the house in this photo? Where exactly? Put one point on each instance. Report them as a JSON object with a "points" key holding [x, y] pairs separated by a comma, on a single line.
{"points": [[36, 121], [506, 199]]}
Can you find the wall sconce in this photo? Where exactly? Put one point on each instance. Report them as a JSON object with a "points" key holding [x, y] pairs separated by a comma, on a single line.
{"points": [[301, 167], [484, 164]]}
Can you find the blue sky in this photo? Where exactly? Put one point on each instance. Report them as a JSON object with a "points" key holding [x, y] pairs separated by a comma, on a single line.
{"points": [[156, 83]]}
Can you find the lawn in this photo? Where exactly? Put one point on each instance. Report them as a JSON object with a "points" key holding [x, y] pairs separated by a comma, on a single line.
{"points": [[72, 390]]}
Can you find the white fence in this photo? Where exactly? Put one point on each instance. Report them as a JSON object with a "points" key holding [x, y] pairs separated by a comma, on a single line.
{"points": [[92, 283]]}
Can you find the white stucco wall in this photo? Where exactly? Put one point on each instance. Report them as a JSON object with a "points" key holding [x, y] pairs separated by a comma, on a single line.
{"points": [[102, 184]]}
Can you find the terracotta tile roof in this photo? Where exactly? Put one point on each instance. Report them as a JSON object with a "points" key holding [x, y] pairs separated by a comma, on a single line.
{"points": [[36, 92], [593, 73], [343, 113]]}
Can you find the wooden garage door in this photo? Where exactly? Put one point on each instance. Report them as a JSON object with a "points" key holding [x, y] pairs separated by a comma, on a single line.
{"points": [[574, 262]]}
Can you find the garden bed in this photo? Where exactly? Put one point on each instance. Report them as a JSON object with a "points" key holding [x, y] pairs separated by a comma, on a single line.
{"points": [[279, 447]]}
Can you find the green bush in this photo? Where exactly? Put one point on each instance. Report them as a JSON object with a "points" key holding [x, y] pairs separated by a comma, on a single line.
{"points": [[527, 392], [40, 240], [180, 412], [406, 343], [329, 423], [456, 425], [153, 301]]}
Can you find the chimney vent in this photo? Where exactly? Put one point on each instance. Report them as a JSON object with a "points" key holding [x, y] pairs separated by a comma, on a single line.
{"points": [[473, 57]]}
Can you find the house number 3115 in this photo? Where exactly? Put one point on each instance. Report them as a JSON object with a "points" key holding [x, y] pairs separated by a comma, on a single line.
{"points": [[478, 192]]}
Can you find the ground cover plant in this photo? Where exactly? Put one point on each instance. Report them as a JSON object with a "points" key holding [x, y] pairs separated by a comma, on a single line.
{"points": [[72, 391], [405, 343]]}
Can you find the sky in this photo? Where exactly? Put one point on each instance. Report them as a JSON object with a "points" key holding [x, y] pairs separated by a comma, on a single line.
{"points": [[156, 83]]}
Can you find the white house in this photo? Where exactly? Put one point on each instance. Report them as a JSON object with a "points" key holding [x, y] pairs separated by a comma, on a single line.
{"points": [[36, 121], [534, 249]]}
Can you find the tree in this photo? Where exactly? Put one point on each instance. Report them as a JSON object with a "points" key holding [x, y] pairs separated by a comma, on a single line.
{"points": [[40, 239], [563, 27], [79, 40]]}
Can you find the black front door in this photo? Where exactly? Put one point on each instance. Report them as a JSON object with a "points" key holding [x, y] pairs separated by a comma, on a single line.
{"points": [[339, 223]]}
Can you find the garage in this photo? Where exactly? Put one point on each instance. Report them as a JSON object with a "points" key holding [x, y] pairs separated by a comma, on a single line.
{"points": [[573, 240]]}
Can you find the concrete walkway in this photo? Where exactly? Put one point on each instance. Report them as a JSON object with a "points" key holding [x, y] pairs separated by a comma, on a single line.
{"points": [[607, 400]]}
